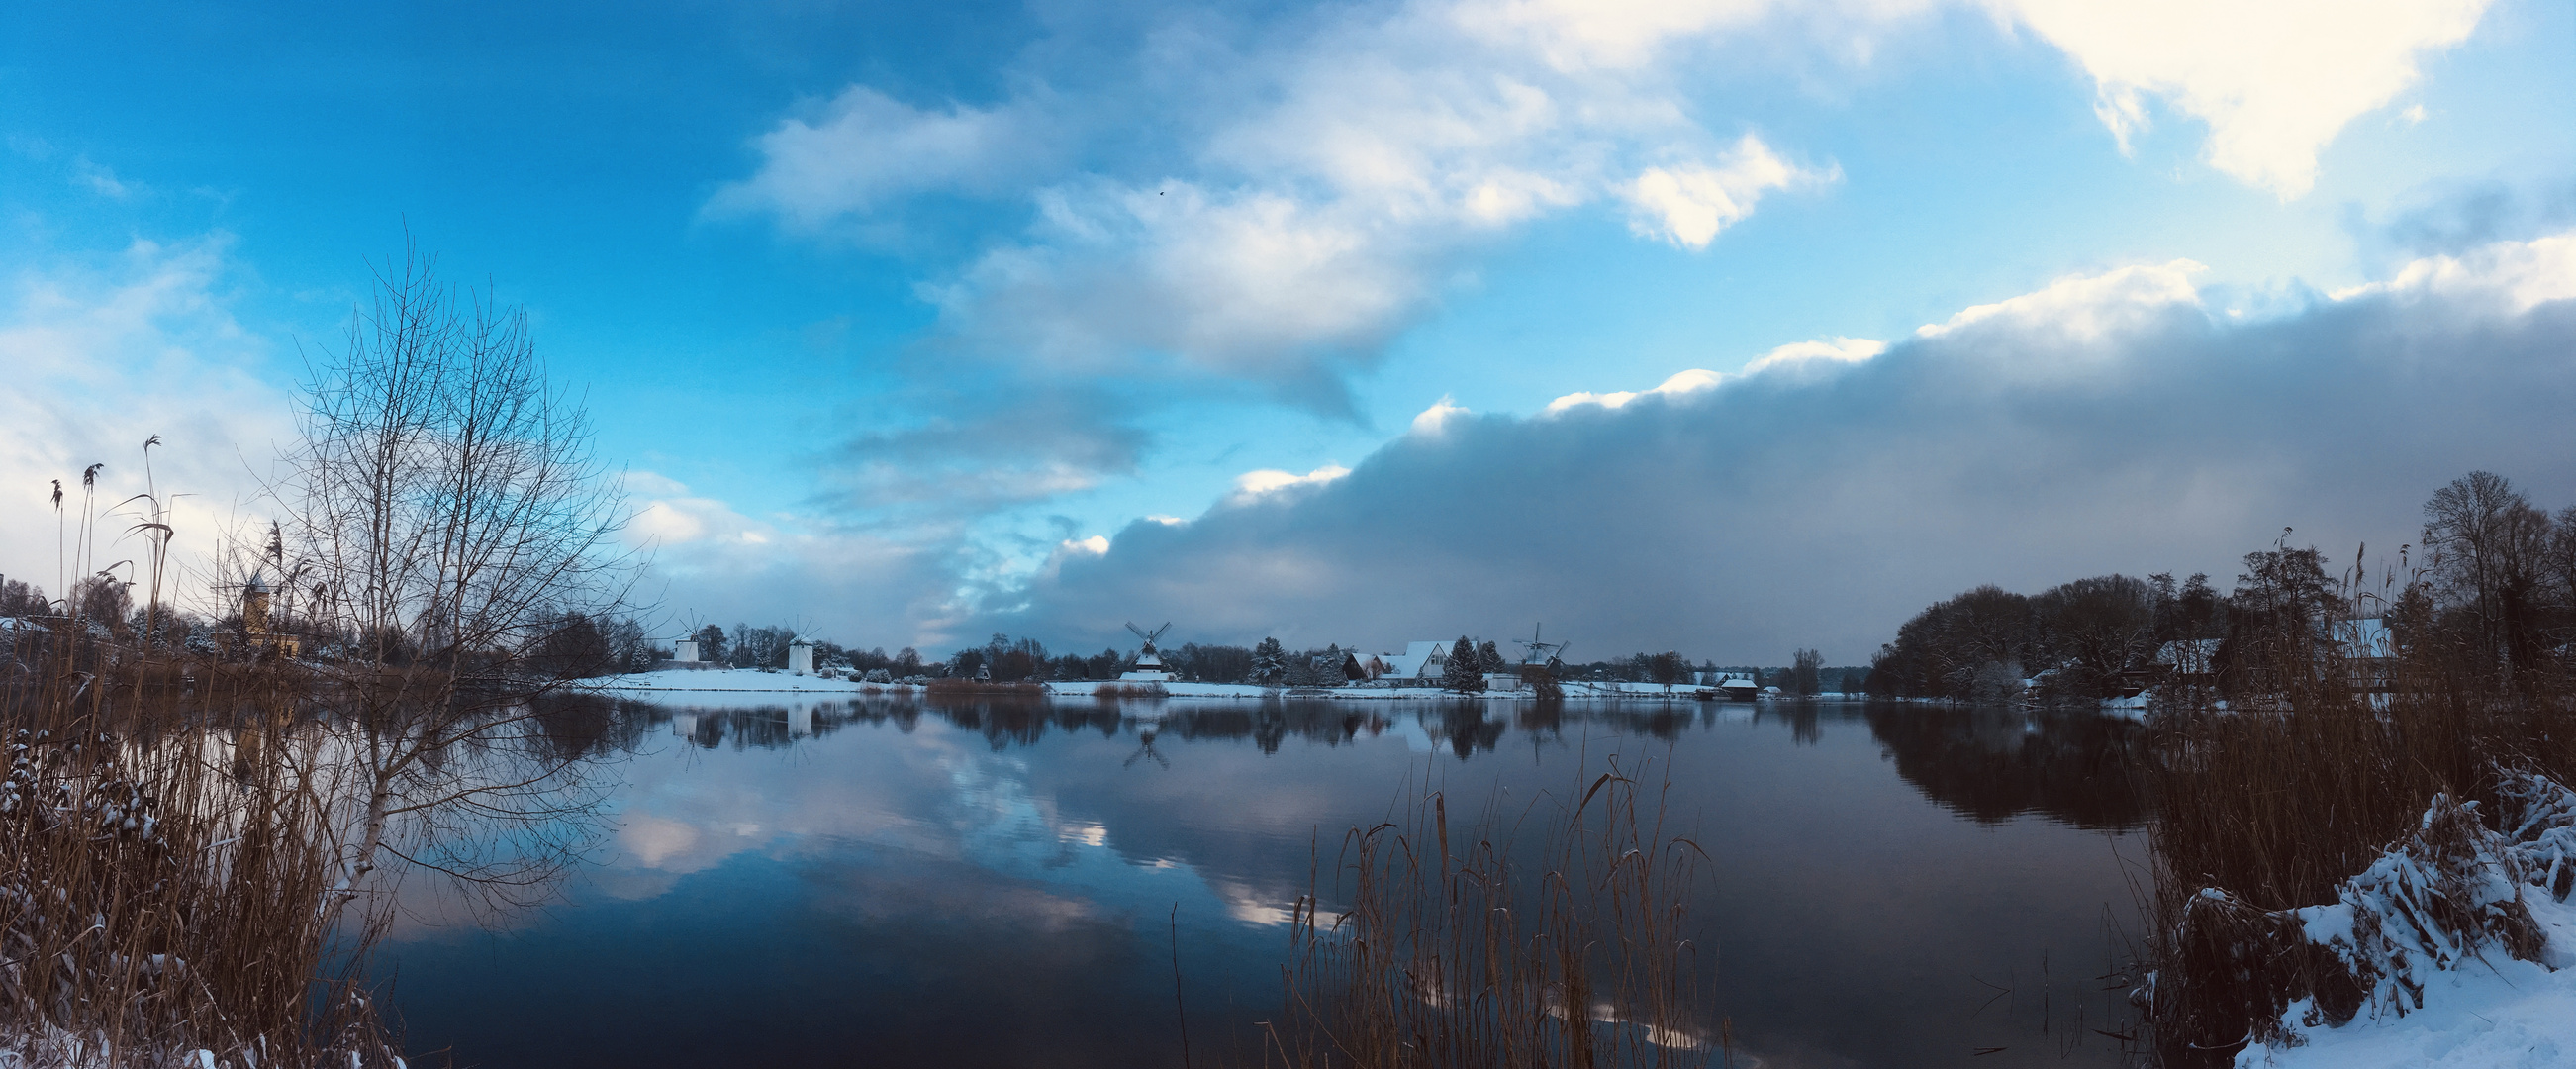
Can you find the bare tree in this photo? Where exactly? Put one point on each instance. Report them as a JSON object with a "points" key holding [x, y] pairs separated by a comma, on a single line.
{"points": [[448, 516], [2488, 548], [1805, 667]]}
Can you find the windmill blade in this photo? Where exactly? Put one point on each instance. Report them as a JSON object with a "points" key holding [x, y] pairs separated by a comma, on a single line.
{"points": [[1158, 632], [1140, 632]]}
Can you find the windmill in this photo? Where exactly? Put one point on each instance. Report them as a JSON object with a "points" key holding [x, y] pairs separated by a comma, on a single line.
{"points": [[1149, 664], [1551, 654]]}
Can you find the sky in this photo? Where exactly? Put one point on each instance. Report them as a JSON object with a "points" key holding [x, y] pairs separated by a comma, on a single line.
{"points": [[1727, 327]]}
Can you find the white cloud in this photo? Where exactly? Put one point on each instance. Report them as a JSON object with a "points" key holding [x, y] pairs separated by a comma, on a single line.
{"points": [[105, 353], [2274, 81], [2085, 307], [1252, 486], [1695, 380], [1579, 35], [1688, 204], [712, 563], [1793, 356], [1432, 420], [865, 149], [2514, 276], [1307, 193], [1810, 353], [99, 179]]}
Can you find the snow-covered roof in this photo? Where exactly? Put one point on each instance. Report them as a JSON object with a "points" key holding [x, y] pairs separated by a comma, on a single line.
{"points": [[2196, 652], [12, 623], [1416, 657]]}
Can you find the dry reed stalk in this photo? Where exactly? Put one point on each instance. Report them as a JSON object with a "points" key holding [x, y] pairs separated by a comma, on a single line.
{"points": [[2310, 777], [1465, 951], [162, 872]]}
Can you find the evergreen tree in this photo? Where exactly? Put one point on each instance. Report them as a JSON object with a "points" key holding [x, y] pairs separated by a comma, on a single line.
{"points": [[1269, 663], [1490, 659], [1461, 673]]}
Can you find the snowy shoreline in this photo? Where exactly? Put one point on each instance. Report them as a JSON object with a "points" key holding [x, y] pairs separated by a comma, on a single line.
{"points": [[758, 681]]}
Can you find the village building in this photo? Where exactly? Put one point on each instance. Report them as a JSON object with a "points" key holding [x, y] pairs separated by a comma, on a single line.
{"points": [[1420, 661], [1149, 667], [256, 626]]}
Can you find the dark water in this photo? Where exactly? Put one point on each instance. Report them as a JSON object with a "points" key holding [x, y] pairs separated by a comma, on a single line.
{"points": [[889, 883]]}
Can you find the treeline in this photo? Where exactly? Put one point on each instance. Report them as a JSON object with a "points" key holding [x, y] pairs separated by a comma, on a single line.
{"points": [[563, 645], [1006, 659], [2492, 583]]}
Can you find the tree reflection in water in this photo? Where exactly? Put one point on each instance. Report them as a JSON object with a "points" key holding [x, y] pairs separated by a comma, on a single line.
{"points": [[1993, 764]]}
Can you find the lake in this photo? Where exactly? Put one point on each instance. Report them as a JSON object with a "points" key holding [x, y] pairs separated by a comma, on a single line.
{"points": [[894, 881]]}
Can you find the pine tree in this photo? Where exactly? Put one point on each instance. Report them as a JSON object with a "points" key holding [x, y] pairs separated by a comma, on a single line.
{"points": [[1269, 663], [1490, 659], [1461, 673]]}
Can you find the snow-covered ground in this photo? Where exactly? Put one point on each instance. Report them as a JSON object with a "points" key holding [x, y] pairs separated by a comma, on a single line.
{"points": [[2480, 1006], [2492, 1012], [755, 681], [733, 680]]}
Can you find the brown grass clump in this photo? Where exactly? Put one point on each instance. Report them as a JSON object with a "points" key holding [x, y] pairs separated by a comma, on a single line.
{"points": [[1457, 949], [1136, 691]]}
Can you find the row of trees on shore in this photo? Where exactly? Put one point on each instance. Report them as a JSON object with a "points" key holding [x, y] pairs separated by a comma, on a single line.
{"points": [[2494, 579], [1269, 663]]}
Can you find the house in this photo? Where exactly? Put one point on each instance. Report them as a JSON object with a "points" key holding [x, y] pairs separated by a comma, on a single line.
{"points": [[2191, 662], [2368, 650], [256, 625], [1419, 661]]}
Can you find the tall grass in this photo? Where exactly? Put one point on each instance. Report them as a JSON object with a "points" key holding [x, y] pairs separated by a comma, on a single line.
{"points": [[1553, 936], [163, 869], [2315, 772]]}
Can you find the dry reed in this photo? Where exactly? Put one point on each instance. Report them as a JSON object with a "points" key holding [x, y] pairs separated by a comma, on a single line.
{"points": [[163, 870], [2319, 767], [1457, 948]]}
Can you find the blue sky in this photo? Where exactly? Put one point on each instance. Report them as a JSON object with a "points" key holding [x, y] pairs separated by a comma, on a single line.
{"points": [[904, 320]]}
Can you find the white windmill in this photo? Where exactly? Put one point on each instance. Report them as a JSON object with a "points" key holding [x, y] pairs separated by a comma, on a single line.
{"points": [[1149, 664]]}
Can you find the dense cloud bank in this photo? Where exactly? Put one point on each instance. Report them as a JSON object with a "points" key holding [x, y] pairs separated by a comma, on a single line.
{"points": [[2119, 423]]}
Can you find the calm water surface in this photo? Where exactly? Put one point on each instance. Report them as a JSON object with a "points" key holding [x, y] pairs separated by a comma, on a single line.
{"points": [[890, 882]]}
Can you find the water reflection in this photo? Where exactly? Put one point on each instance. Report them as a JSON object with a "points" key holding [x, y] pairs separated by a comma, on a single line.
{"points": [[1994, 764], [989, 881]]}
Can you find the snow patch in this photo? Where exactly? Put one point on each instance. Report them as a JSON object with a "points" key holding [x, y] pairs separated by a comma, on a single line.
{"points": [[2464, 938]]}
